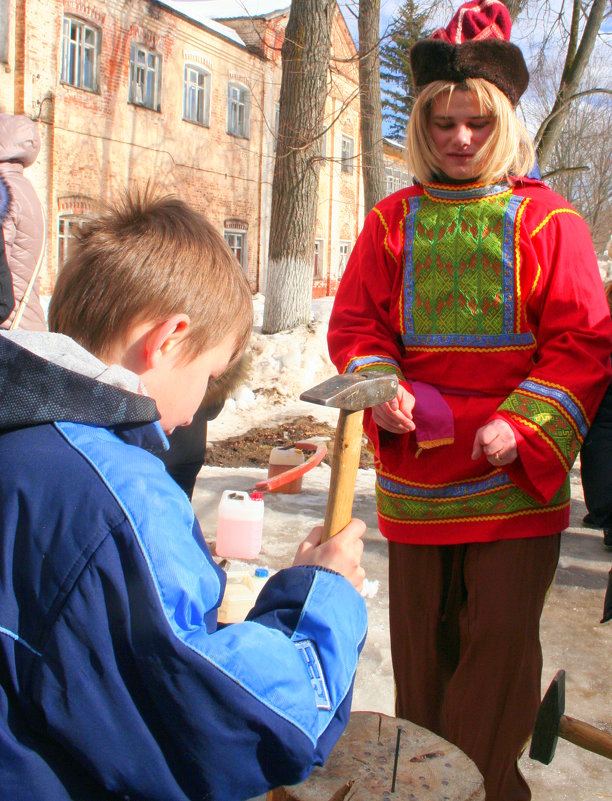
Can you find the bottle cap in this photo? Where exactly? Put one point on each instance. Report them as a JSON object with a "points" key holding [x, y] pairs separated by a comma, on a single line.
{"points": [[261, 572], [257, 496]]}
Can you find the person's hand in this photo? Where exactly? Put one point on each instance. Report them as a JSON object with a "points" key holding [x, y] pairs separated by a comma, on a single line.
{"points": [[341, 553], [497, 442], [396, 415]]}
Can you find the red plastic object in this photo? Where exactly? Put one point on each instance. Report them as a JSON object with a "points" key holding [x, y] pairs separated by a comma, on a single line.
{"points": [[270, 484]]}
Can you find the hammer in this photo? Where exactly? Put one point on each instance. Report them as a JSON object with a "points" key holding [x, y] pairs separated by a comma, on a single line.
{"points": [[551, 723], [351, 393]]}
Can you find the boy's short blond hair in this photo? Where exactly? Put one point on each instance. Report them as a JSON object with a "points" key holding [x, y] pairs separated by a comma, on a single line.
{"points": [[508, 151], [147, 258]]}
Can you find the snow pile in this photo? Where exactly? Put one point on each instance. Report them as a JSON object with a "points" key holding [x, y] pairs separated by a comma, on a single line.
{"points": [[283, 366], [605, 269]]}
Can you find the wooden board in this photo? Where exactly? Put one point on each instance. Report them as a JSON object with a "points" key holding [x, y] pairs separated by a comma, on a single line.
{"points": [[361, 766]]}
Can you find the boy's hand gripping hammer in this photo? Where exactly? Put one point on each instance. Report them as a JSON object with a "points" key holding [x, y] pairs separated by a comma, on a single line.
{"points": [[351, 393]]}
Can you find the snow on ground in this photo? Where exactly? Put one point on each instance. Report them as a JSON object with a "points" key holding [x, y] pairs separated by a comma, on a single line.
{"points": [[283, 366]]}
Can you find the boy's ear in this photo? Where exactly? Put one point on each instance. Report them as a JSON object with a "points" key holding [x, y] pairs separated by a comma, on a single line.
{"points": [[163, 337]]}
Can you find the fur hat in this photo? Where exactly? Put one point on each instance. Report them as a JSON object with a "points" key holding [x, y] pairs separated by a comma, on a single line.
{"points": [[474, 45]]}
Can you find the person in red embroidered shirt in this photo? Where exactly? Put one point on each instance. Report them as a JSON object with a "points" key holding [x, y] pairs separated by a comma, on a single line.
{"points": [[479, 288]]}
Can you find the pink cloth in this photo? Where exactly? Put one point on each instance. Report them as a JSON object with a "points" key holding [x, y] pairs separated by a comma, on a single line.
{"points": [[433, 417]]}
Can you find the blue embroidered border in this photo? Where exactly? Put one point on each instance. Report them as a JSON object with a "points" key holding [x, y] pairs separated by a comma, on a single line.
{"points": [[509, 338], [356, 364], [475, 193], [449, 491], [561, 397]]}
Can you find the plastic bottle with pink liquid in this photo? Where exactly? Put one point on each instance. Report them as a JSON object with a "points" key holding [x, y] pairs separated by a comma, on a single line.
{"points": [[239, 524]]}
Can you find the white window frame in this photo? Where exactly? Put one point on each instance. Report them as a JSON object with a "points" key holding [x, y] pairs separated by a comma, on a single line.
{"points": [[237, 241], [319, 250], [145, 77], [347, 154], [80, 50], [238, 109], [344, 251], [196, 95], [66, 222]]}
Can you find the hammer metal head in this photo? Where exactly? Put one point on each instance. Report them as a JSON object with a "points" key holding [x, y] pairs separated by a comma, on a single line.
{"points": [[353, 391], [546, 729]]}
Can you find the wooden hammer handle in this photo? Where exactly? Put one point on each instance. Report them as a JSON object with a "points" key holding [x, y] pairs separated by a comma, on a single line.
{"points": [[586, 736], [345, 463]]}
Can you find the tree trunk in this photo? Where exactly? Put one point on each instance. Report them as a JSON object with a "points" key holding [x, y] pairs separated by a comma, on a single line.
{"points": [[295, 186], [579, 52], [514, 7], [371, 104]]}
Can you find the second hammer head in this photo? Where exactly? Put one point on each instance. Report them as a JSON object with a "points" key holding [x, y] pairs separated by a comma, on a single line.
{"points": [[354, 391]]}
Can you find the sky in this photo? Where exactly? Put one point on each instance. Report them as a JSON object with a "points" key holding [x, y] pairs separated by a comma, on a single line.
{"points": [[224, 9], [528, 31]]}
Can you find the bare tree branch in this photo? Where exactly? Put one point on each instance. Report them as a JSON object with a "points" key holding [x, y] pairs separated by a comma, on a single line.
{"points": [[565, 106], [564, 170]]}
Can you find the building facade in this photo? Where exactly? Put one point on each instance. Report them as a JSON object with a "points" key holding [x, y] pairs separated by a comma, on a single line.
{"points": [[126, 94]]}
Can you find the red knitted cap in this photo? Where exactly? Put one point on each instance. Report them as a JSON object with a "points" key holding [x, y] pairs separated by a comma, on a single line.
{"points": [[475, 44], [475, 20]]}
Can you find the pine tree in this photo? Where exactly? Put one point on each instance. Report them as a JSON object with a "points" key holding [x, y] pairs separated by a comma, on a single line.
{"points": [[409, 25]]}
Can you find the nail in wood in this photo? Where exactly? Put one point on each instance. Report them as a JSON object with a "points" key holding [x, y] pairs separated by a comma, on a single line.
{"points": [[397, 745]]}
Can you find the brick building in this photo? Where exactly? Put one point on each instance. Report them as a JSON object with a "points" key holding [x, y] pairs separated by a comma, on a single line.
{"points": [[152, 90]]}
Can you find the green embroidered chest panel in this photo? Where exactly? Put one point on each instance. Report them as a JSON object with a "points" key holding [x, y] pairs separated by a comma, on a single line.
{"points": [[459, 273]]}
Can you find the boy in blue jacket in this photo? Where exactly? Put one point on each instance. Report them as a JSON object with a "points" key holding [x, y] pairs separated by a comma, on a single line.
{"points": [[115, 681]]}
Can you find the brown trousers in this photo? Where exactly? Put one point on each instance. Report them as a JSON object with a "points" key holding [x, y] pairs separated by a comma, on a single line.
{"points": [[467, 659]]}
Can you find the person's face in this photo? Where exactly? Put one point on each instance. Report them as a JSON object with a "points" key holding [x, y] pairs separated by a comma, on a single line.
{"points": [[178, 387], [458, 129]]}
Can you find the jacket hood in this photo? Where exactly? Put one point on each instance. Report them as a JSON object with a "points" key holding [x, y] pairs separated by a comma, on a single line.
{"points": [[19, 140], [47, 378]]}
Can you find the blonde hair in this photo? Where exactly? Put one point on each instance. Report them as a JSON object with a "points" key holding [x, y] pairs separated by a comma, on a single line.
{"points": [[145, 259], [508, 151]]}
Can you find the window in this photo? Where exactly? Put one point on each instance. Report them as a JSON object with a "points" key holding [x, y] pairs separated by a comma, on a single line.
{"points": [[345, 250], [67, 224], [4, 31], [396, 178], [237, 243], [347, 154], [238, 110], [318, 258], [145, 77], [196, 95], [80, 54]]}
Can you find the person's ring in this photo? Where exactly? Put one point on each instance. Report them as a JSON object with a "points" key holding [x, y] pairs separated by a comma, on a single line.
{"points": [[496, 456]]}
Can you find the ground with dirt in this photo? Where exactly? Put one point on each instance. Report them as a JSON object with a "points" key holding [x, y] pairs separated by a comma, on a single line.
{"points": [[252, 449]]}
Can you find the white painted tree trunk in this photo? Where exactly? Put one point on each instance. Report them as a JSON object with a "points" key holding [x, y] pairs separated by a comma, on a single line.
{"points": [[295, 187], [288, 305]]}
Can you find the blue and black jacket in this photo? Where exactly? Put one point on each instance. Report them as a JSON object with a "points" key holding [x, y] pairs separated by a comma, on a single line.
{"points": [[115, 682]]}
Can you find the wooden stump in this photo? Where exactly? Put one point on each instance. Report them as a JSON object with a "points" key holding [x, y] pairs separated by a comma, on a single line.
{"points": [[361, 766]]}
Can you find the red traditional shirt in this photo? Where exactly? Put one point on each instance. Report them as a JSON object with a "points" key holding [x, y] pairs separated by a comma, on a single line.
{"points": [[491, 295]]}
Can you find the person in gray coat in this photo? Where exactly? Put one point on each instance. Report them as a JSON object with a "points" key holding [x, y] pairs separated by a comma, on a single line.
{"points": [[23, 225], [7, 297]]}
